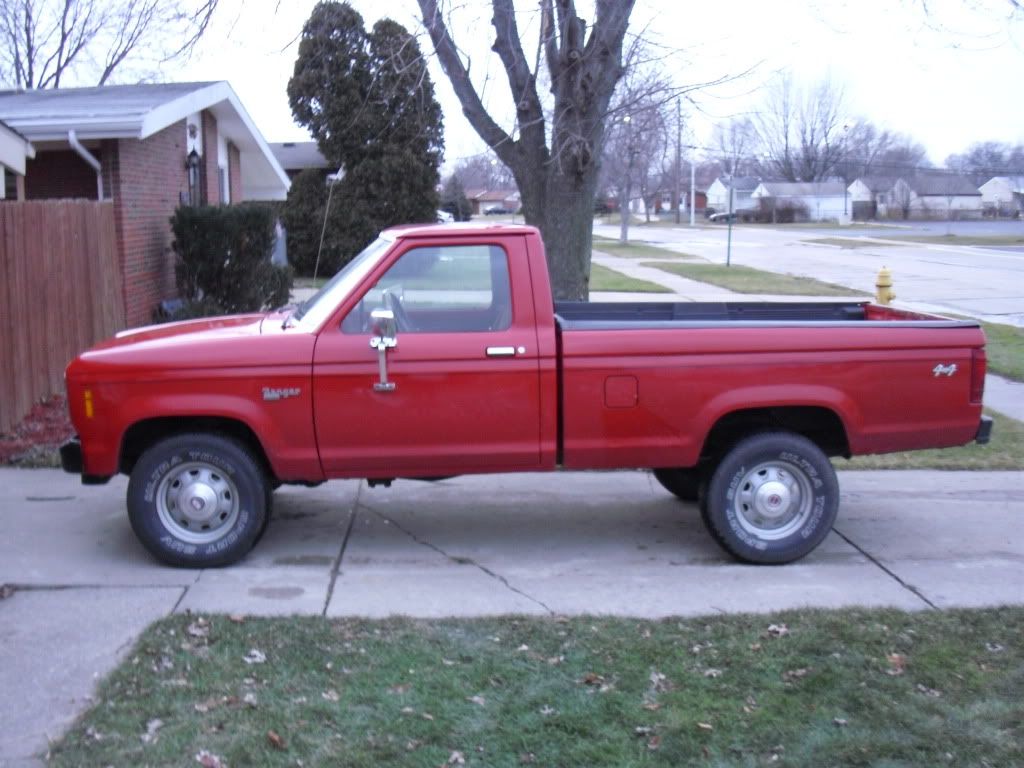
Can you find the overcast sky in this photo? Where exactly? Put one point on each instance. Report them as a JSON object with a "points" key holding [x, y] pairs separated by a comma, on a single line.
{"points": [[948, 77]]}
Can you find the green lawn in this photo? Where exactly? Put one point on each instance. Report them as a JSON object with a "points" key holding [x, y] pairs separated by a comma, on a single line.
{"points": [[800, 688], [849, 242], [604, 279], [1004, 452], [637, 250], [1005, 350], [747, 280]]}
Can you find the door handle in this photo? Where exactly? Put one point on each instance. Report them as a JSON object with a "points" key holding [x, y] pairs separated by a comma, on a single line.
{"points": [[502, 351]]}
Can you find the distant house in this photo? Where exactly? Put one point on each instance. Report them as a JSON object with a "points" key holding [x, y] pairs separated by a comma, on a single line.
{"points": [[15, 150], [483, 200], [934, 196], [870, 197], [147, 149], [813, 200], [297, 156], [743, 187], [1003, 195]]}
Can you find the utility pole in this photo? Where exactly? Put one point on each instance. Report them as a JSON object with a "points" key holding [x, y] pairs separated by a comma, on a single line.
{"points": [[693, 187], [679, 155]]}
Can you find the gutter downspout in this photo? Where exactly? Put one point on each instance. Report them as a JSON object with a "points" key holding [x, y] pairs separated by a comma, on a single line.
{"points": [[86, 155]]}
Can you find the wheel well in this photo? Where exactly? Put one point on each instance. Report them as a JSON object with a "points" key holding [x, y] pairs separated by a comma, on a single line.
{"points": [[819, 425], [141, 435]]}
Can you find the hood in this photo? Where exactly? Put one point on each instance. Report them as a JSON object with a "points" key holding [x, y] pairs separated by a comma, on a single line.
{"points": [[235, 341]]}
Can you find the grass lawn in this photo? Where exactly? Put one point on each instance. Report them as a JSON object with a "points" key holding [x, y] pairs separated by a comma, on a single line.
{"points": [[800, 688], [849, 242], [1005, 350], [748, 280], [962, 239], [604, 279], [637, 250], [1004, 452]]}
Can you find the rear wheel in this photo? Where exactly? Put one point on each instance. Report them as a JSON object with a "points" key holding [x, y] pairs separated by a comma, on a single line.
{"points": [[772, 499], [198, 500]]}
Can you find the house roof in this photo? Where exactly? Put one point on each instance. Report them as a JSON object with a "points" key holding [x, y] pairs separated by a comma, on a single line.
{"points": [[740, 183], [802, 189], [941, 184], [493, 195], [877, 183], [14, 149], [139, 111], [1016, 183], [296, 155]]}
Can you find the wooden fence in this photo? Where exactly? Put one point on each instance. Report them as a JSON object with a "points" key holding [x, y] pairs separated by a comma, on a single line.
{"points": [[60, 291]]}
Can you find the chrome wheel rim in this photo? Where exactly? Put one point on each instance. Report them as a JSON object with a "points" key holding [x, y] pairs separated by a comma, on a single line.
{"points": [[773, 500], [197, 503]]}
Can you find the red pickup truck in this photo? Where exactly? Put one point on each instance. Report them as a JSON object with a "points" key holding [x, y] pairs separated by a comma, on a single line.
{"points": [[438, 351]]}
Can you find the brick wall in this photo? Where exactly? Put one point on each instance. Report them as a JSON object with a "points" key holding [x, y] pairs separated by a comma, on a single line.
{"points": [[234, 173], [148, 179], [211, 177], [60, 173]]}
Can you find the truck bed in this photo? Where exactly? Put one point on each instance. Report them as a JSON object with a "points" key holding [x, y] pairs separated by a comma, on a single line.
{"points": [[573, 315]]}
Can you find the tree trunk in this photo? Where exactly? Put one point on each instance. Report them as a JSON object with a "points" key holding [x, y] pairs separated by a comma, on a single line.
{"points": [[568, 234]]}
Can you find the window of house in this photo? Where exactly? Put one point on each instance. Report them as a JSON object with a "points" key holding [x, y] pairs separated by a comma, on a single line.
{"points": [[454, 288], [10, 184]]}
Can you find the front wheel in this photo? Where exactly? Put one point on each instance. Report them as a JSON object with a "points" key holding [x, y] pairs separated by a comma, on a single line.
{"points": [[772, 499], [198, 500]]}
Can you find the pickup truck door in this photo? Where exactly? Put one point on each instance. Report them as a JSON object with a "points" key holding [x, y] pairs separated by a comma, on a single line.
{"points": [[465, 367]]}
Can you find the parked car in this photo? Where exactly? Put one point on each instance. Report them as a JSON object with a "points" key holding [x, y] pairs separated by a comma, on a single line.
{"points": [[443, 217], [723, 217], [498, 210], [439, 351]]}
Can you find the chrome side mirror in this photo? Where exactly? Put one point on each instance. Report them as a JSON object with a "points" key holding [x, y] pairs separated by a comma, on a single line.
{"points": [[385, 337]]}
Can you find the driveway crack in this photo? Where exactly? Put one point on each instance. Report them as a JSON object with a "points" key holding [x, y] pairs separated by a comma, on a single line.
{"points": [[341, 551], [459, 560], [909, 587]]}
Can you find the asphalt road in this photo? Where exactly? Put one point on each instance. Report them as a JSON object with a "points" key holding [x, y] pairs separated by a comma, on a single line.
{"points": [[983, 282], [602, 543]]}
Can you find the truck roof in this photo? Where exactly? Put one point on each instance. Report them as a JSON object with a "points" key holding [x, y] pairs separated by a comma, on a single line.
{"points": [[461, 229]]}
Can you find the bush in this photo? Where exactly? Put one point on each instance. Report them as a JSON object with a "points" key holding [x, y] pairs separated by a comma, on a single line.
{"points": [[302, 216], [787, 212], [223, 264]]}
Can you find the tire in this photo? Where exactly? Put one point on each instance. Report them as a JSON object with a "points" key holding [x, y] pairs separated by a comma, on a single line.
{"points": [[682, 482], [772, 499], [226, 490]]}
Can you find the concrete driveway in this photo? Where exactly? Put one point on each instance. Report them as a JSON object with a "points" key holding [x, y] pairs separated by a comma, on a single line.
{"points": [[606, 543]]}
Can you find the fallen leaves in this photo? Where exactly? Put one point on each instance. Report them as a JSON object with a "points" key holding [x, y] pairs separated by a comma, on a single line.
{"points": [[275, 740], [706, 726], [928, 691], [209, 760], [330, 695], [479, 700], [777, 630], [840, 722], [152, 728], [200, 628], [255, 656], [897, 664], [793, 675], [456, 758]]}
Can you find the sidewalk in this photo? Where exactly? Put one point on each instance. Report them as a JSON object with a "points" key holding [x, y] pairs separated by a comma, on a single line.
{"points": [[543, 544]]}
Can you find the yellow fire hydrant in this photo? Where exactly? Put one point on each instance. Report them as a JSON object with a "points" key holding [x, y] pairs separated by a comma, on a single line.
{"points": [[884, 294]]}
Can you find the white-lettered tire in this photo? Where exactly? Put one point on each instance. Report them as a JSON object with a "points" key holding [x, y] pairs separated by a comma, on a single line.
{"points": [[198, 500], [772, 499]]}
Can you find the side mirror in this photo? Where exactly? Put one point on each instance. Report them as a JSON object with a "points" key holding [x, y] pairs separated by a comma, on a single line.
{"points": [[384, 327]]}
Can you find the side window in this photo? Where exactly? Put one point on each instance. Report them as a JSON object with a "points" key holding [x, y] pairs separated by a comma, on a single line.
{"points": [[452, 288]]}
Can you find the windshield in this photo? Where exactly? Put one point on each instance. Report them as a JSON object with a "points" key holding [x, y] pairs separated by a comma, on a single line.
{"points": [[311, 313]]}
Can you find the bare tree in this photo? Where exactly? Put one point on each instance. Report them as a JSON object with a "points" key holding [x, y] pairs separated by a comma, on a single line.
{"points": [[636, 140], [43, 43], [801, 130], [735, 143], [557, 179], [484, 171]]}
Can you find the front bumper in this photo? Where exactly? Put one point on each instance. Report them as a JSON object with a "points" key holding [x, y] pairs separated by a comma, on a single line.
{"points": [[71, 461], [984, 431]]}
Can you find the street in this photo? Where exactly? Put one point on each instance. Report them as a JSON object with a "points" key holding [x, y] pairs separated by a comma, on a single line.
{"points": [[980, 281]]}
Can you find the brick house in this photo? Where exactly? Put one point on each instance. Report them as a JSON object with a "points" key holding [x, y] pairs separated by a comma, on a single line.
{"points": [[147, 149]]}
